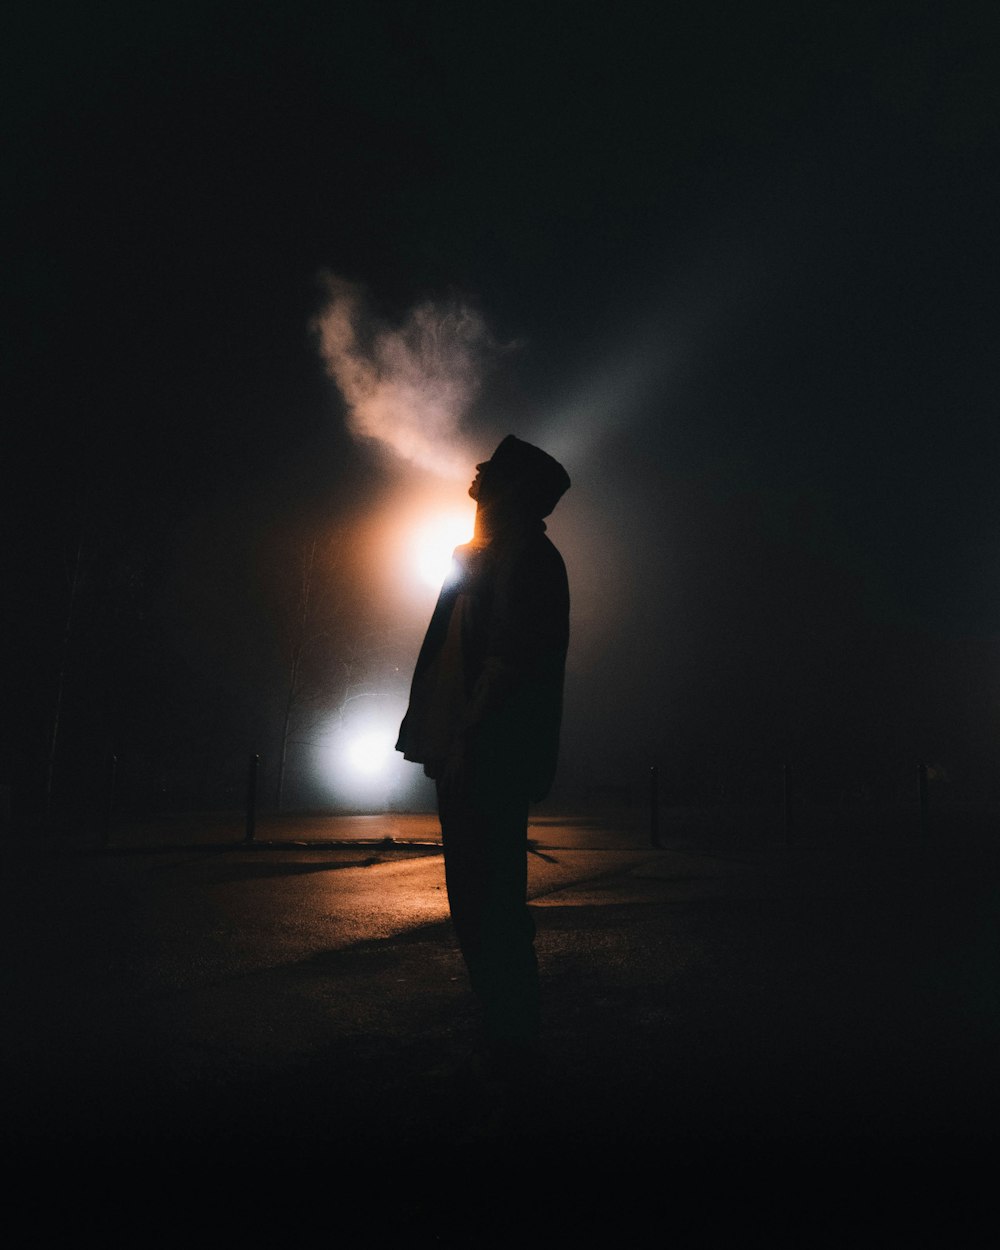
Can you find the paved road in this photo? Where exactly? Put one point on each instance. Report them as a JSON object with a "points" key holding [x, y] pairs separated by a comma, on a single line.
{"points": [[709, 1004], [182, 953]]}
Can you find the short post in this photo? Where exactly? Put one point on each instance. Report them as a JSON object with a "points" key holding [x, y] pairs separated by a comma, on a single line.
{"points": [[924, 803], [252, 797], [786, 806], [109, 799], [654, 806]]}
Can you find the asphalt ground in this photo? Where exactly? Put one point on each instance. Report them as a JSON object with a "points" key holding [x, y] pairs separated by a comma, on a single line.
{"points": [[743, 1017]]}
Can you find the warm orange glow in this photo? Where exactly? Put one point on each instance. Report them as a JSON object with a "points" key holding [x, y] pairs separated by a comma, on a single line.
{"points": [[434, 539], [412, 540]]}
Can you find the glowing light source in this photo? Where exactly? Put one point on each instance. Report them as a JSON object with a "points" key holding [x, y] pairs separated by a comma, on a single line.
{"points": [[354, 762], [435, 540], [370, 752]]}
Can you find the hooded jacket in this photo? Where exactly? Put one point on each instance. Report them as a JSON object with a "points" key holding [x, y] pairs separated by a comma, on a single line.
{"points": [[488, 682]]}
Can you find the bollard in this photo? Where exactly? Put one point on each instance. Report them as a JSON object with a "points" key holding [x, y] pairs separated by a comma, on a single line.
{"points": [[252, 797], [924, 803], [654, 806]]}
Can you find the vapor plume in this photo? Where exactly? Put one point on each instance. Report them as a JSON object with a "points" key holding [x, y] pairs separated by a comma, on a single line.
{"points": [[409, 387]]}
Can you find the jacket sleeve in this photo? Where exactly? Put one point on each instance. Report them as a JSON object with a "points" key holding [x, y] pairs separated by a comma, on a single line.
{"points": [[516, 701]]}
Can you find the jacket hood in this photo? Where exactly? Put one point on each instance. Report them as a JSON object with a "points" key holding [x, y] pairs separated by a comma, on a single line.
{"points": [[527, 476]]}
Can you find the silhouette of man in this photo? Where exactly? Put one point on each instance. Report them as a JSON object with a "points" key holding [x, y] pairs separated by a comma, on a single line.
{"points": [[483, 719]]}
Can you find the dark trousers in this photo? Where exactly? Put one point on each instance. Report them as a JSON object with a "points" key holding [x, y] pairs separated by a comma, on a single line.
{"points": [[484, 830]]}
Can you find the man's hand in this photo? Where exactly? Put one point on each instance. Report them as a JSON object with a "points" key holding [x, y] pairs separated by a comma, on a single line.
{"points": [[455, 771]]}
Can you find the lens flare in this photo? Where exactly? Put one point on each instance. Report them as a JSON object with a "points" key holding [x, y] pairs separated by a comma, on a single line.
{"points": [[433, 543]]}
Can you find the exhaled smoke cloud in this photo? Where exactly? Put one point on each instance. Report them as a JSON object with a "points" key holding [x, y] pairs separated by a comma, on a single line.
{"points": [[408, 387]]}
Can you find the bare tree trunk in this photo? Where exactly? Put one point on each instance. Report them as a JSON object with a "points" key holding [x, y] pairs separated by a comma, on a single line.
{"points": [[305, 595]]}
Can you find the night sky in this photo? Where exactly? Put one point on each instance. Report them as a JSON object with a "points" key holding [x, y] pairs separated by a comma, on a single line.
{"points": [[740, 265]]}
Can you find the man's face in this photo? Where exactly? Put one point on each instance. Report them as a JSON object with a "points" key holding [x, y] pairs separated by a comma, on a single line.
{"points": [[477, 483]]}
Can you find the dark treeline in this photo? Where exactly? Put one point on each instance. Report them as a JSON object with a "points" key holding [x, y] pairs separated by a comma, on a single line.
{"points": [[180, 647]]}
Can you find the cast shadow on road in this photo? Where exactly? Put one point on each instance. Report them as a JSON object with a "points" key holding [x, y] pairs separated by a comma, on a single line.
{"points": [[222, 871], [240, 872]]}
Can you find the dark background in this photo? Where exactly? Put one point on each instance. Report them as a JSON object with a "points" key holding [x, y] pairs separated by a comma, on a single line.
{"points": [[748, 254]]}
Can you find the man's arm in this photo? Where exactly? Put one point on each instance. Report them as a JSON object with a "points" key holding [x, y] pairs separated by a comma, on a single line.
{"points": [[527, 632]]}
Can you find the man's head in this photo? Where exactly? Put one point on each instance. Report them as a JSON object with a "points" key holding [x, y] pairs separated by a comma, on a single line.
{"points": [[520, 477]]}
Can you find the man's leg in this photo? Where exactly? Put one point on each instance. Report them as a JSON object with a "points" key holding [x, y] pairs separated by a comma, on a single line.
{"points": [[484, 832]]}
